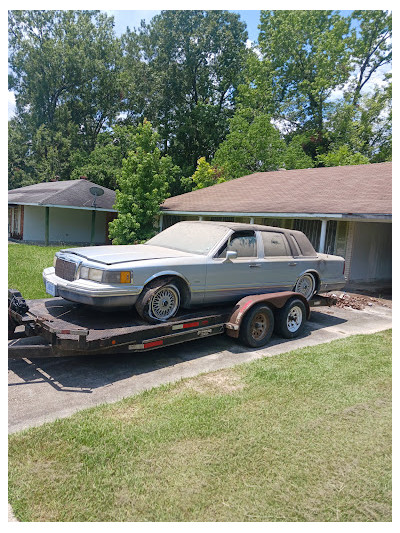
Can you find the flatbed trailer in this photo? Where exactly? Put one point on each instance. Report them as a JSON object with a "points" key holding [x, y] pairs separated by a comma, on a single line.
{"points": [[54, 327]]}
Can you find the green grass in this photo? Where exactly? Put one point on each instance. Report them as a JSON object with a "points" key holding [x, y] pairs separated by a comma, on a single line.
{"points": [[25, 266], [304, 436]]}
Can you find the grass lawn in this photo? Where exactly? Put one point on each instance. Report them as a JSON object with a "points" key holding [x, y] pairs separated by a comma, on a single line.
{"points": [[304, 436], [25, 266]]}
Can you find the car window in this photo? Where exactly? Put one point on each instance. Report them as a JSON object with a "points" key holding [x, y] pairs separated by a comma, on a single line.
{"points": [[275, 244], [242, 242]]}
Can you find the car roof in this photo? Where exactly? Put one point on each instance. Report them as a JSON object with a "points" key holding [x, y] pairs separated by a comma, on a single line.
{"points": [[306, 248]]}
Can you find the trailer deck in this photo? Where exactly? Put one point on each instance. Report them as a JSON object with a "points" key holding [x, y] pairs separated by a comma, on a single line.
{"points": [[54, 327]]}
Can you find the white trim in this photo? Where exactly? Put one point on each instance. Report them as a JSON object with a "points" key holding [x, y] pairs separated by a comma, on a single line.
{"points": [[385, 217], [66, 207], [322, 237]]}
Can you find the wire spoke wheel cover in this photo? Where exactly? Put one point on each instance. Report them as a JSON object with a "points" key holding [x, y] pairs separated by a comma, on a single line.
{"points": [[305, 285], [294, 318], [165, 303]]}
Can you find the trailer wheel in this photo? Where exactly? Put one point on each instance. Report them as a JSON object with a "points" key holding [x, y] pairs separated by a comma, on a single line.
{"points": [[257, 326], [290, 320], [159, 301]]}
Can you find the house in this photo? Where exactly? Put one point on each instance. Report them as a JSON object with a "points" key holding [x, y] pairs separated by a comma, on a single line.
{"points": [[61, 211], [345, 210]]}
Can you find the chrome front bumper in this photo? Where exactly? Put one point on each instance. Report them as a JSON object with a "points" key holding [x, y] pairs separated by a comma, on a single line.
{"points": [[91, 292]]}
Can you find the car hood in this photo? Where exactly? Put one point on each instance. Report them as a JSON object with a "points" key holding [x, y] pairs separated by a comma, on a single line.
{"points": [[110, 255]]}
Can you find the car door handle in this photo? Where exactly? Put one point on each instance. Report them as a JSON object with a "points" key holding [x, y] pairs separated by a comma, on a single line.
{"points": [[255, 265], [292, 264]]}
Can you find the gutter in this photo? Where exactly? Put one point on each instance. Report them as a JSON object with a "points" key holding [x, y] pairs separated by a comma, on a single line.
{"points": [[65, 206], [331, 216]]}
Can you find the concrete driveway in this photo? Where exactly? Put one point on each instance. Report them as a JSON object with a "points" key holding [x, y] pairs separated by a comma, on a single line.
{"points": [[41, 390]]}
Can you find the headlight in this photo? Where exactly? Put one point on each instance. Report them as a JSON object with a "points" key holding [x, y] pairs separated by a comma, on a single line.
{"points": [[94, 274], [118, 276]]}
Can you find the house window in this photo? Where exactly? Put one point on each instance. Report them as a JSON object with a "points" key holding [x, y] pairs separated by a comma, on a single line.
{"points": [[311, 228]]}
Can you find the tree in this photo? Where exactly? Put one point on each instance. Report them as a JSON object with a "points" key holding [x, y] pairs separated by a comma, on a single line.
{"points": [[342, 156], [184, 67], [65, 73], [142, 186], [204, 176], [307, 54], [254, 144], [371, 47]]}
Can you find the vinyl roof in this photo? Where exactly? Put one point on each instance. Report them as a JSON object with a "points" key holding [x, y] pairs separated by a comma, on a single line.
{"points": [[71, 193], [358, 189]]}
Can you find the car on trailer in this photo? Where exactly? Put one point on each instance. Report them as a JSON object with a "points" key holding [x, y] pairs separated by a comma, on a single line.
{"points": [[192, 264]]}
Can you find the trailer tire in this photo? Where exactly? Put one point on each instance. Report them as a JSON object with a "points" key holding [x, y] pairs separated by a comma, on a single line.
{"points": [[290, 319], [257, 326], [149, 305]]}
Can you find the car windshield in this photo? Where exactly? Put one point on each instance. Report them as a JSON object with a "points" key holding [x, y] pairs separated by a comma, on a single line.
{"points": [[191, 237]]}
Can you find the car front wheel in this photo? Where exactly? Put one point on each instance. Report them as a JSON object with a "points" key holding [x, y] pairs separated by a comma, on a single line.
{"points": [[159, 301]]}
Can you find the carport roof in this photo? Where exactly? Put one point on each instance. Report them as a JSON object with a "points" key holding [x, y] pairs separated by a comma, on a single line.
{"points": [[346, 190], [71, 193]]}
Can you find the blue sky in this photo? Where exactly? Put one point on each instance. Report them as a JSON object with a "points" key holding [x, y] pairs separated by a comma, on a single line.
{"points": [[133, 18]]}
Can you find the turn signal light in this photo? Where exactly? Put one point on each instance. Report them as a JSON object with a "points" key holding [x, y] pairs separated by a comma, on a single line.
{"points": [[125, 277]]}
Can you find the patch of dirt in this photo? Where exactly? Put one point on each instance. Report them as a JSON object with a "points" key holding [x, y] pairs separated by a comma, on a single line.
{"points": [[356, 301], [223, 381]]}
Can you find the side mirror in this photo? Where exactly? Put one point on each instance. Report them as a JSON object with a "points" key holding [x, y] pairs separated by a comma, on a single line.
{"points": [[230, 254]]}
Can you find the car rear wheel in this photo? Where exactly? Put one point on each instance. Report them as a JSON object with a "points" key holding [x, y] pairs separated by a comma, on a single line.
{"points": [[257, 326], [159, 301], [305, 285]]}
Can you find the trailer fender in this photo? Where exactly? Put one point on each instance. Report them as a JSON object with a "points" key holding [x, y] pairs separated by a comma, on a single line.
{"points": [[275, 300]]}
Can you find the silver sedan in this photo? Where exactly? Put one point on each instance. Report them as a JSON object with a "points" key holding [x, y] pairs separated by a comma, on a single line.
{"points": [[191, 264]]}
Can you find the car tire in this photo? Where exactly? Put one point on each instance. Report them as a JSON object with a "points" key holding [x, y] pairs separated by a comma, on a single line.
{"points": [[159, 301], [306, 286], [257, 326], [290, 320]]}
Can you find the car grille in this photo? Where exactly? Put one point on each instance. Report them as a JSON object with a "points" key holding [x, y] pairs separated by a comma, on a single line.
{"points": [[65, 269]]}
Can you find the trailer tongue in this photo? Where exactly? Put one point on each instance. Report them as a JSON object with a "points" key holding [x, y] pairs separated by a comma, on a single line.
{"points": [[54, 327]]}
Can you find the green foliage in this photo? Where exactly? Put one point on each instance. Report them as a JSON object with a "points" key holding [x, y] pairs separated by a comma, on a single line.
{"points": [[182, 71], [254, 144], [205, 176], [306, 90], [342, 156], [308, 58], [142, 186]]}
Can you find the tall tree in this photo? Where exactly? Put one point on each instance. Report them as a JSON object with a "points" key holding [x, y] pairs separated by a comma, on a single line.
{"points": [[307, 54], [142, 186], [254, 144], [187, 65], [64, 71]]}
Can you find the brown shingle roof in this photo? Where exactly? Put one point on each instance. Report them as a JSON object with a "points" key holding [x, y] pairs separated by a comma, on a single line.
{"points": [[71, 193], [358, 189]]}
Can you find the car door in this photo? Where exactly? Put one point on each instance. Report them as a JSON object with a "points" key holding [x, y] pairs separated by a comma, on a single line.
{"points": [[278, 267], [233, 279]]}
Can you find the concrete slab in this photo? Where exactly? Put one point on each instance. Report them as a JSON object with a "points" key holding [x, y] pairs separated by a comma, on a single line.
{"points": [[42, 390]]}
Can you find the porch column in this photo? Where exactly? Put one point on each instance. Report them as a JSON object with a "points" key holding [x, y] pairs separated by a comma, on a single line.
{"points": [[46, 225], [200, 217], [93, 229], [160, 222], [322, 237], [252, 220]]}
